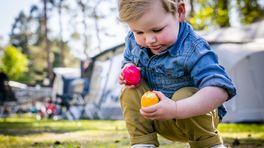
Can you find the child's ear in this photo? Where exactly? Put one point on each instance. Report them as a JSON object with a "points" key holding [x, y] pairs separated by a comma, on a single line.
{"points": [[181, 11]]}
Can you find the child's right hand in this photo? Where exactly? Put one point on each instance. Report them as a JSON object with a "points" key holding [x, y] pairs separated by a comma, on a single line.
{"points": [[164, 110], [121, 79]]}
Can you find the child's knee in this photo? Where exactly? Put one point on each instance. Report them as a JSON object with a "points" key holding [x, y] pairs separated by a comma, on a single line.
{"points": [[184, 93], [133, 95], [201, 130], [128, 95], [141, 89]]}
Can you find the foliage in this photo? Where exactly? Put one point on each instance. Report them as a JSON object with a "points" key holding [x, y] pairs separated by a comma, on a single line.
{"points": [[216, 13], [250, 11], [13, 63], [222, 13], [27, 34], [19, 36], [213, 13], [202, 18]]}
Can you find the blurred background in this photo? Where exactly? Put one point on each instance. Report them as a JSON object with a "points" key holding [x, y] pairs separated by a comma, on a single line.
{"points": [[60, 60]]}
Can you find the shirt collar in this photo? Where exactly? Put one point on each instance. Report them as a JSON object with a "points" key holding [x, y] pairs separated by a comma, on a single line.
{"points": [[183, 33]]}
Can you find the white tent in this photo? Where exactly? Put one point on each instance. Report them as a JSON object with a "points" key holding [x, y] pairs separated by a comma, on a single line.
{"points": [[102, 100], [241, 52], [244, 62]]}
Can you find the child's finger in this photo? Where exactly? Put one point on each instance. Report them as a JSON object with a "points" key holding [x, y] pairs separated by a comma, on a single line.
{"points": [[147, 115], [159, 94], [130, 86], [121, 79], [149, 109]]}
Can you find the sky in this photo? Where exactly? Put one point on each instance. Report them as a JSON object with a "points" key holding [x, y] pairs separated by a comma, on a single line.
{"points": [[9, 10]]}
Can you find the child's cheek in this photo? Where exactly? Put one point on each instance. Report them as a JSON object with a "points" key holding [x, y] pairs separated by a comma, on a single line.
{"points": [[140, 41], [167, 39]]}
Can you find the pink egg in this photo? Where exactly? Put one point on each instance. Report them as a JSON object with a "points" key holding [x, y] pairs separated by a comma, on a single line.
{"points": [[132, 75]]}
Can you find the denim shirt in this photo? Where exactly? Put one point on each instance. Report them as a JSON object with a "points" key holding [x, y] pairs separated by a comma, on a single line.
{"points": [[190, 62]]}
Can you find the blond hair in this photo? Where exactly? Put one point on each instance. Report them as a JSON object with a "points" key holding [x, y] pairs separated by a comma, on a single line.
{"points": [[130, 10]]}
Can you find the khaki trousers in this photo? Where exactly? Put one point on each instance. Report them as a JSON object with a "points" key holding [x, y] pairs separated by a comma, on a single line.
{"points": [[199, 131]]}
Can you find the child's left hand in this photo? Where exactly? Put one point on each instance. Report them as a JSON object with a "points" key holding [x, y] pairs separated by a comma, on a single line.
{"points": [[164, 110]]}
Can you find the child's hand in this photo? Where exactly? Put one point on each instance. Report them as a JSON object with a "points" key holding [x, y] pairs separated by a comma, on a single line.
{"points": [[121, 79], [164, 110]]}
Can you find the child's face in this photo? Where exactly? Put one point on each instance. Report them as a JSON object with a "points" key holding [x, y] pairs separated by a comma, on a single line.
{"points": [[156, 29]]}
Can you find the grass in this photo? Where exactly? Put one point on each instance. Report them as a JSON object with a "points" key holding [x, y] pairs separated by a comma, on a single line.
{"points": [[24, 132]]}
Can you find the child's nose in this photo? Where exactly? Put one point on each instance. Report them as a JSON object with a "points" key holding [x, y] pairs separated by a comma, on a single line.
{"points": [[150, 39]]}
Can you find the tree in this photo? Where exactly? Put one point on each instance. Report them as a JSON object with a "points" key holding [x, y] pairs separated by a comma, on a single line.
{"points": [[201, 17], [205, 14], [47, 47], [84, 7], [92, 22], [96, 23], [222, 13], [209, 13], [30, 33], [20, 32], [191, 8], [13, 63], [59, 5], [249, 11]]}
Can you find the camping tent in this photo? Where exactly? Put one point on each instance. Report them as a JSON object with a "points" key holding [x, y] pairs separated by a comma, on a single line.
{"points": [[102, 101], [241, 52], [244, 64]]}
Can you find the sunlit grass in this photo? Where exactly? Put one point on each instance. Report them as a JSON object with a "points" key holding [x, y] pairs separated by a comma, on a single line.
{"points": [[20, 132], [255, 131]]}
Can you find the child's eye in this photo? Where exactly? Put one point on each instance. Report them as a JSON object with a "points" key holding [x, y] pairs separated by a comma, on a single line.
{"points": [[139, 33], [157, 30]]}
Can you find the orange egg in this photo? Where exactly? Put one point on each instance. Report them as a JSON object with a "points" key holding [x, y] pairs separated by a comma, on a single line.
{"points": [[149, 98]]}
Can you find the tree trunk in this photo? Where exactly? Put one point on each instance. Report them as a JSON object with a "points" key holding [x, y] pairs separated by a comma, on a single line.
{"points": [[61, 36], [192, 8], [96, 22], [85, 42], [47, 48]]}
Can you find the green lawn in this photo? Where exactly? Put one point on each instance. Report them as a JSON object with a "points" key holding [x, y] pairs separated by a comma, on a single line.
{"points": [[24, 132]]}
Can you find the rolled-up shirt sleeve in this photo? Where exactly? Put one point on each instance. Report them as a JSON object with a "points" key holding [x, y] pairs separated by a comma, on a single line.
{"points": [[202, 63]]}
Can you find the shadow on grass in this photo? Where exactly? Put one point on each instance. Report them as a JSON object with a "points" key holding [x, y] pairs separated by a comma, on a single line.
{"points": [[29, 128], [244, 142]]}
